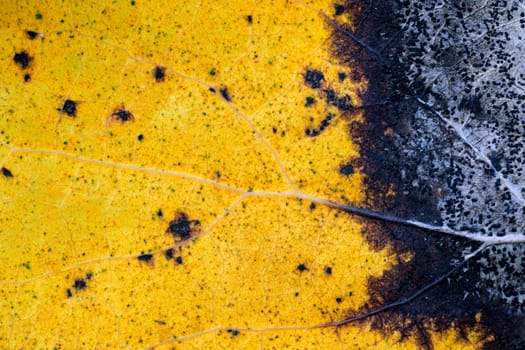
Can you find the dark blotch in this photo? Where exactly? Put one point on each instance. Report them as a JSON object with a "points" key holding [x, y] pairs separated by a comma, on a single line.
{"points": [[168, 253], [225, 94], [472, 104], [328, 270], [69, 107], [346, 170], [6, 172], [302, 267], [338, 300], [341, 76], [313, 78], [159, 73], [123, 115], [178, 260], [181, 228], [233, 332], [140, 137], [249, 18], [31, 34], [69, 293], [22, 59], [310, 101], [312, 206], [213, 90], [27, 78], [339, 9], [160, 213], [146, 257], [79, 284]]}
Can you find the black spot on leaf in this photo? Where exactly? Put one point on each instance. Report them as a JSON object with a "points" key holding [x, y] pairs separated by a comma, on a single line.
{"points": [[69, 107], [6, 172], [27, 78], [31, 34], [80, 284], [69, 293], [339, 9], [168, 253], [145, 257], [22, 59], [346, 169], [302, 267], [122, 115], [472, 104], [310, 101], [140, 137], [233, 332], [249, 18], [179, 260], [159, 73], [341, 76], [225, 94], [182, 228], [328, 270], [313, 78]]}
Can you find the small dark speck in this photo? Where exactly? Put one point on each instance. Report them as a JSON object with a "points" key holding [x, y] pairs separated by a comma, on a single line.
{"points": [[249, 18], [225, 94], [346, 170], [338, 300], [146, 257], [339, 9], [179, 260], [274, 130], [212, 89], [328, 270], [133, 3], [168, 253], [69, 107], [79, 284], [69, 293], [159, 73], [22, 59], [123, 115], [140, 137], [38, 16], [89, 275], [6, 172], [341, 76], [233, 332], [31, 34], [159, 322], [309, 101], [312, 206], [302, 267], [27, 78], [160, 213]]}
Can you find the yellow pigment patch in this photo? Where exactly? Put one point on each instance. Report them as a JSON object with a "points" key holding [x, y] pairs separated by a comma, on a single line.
{"points": [[87, 257]]}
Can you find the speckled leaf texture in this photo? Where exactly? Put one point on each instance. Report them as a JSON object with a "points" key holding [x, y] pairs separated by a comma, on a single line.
{"points": [[262, 175]]}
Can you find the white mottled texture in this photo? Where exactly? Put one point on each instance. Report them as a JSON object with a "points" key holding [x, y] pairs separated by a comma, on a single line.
{"points": [[466, 60]]}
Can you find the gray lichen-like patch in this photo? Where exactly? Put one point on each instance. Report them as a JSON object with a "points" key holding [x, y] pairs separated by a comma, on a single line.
{"points": [[466, 70]]}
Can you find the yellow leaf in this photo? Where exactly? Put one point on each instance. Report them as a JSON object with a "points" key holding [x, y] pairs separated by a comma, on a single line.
{"points": [[164, 187]]}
